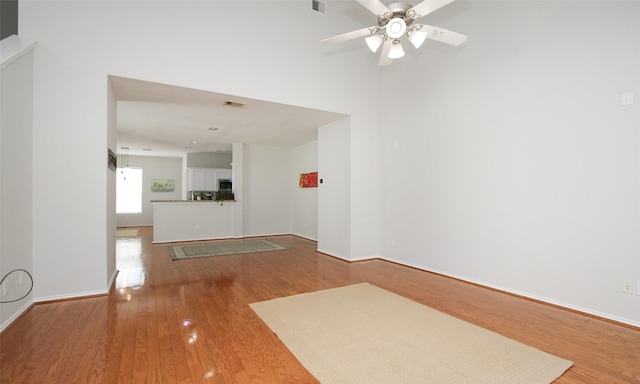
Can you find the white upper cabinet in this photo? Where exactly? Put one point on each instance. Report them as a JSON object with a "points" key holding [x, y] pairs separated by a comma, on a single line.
{"points": [[196, 179], [206, 179], [224, 174], [210, 180]]}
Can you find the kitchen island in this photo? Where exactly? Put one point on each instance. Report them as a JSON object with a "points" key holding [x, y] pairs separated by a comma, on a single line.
{"points": [[187, 220]]}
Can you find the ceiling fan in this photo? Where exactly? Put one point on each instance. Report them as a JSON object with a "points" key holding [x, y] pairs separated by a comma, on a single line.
{"points": [[395, 21]]}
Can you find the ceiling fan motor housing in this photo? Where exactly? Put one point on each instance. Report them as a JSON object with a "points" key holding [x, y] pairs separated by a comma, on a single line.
{"points": [[398, 10]]}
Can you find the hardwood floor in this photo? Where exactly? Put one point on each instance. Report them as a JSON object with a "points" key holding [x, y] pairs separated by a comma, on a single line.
{"points": [[189, 321]]}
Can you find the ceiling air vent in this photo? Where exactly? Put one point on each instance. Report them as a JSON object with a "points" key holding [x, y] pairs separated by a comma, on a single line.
{"points": [[228, 103], [318, 6]]}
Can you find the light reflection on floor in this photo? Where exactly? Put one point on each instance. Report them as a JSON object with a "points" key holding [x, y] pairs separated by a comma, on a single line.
{"points": [[131, 272]]}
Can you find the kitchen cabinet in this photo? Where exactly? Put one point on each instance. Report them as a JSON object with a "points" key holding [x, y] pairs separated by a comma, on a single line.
{"points": [[206, 179], [224, 174], [210, 180], [196, 179], [203, 179]]}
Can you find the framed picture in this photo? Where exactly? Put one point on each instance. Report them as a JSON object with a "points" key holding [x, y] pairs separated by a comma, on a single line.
{"points": [[161, 185], [112, 160], [308, 180]]}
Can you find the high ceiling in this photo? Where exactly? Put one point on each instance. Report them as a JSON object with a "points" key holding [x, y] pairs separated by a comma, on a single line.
{"points": [[164, 120]]}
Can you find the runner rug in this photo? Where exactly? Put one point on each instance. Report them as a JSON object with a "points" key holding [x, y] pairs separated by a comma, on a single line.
{"points": [[221, 248], [126, 232], [365, 334]]}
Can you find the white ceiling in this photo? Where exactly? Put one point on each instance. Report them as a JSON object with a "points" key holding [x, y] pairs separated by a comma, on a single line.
{"points": [[164, 120]]}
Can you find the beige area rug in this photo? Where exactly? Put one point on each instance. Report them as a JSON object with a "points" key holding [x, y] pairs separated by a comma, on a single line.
{"points": [[221, 248], [126, 232], [365, 334]]}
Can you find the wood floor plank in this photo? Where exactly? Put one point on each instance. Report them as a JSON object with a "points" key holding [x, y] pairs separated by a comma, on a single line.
{"points": [[152, 341], [87, 345], [141, 351], [58, 371], [189, 321], [115, 338], [167, 368], [178, 341], [125, 371]]}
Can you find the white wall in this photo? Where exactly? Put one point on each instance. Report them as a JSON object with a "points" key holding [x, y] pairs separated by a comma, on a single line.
{"points": [[153, 168], [304, 201], [16, 95], [511, 162], [112, 113], [209, 160], [238, 189], [266, 190], [170, 42], [335, 199]]}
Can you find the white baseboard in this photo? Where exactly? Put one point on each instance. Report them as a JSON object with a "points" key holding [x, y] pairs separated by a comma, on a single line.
{"points": [[332, 254], [360, 258], [81, 295], [18, 313], [78, 295], [304, 237], [524, 294], [363, 258]]}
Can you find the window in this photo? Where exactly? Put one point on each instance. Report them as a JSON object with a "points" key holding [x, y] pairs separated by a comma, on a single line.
{"points": [[129, 190]]}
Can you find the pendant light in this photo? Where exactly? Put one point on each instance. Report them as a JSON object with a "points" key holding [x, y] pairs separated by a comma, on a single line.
{"points": [[125, 159], [126, 156]]}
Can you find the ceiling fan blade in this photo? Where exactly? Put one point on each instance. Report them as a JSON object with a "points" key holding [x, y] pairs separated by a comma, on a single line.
{"points": [[384, 55], [426, 7], [442, 35], [351, 35], [375, 6]]}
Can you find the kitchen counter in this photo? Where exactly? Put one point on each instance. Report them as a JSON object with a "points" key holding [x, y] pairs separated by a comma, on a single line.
{"points": [[189, 201], [188, 220]]}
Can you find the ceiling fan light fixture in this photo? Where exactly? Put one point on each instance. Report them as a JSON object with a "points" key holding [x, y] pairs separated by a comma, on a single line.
{"points": [[396, 51], [374, 42], [417, 37], [396, 27], [395, 21]]}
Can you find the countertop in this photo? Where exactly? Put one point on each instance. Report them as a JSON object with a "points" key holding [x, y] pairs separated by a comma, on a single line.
{"points": [[190, 201]]}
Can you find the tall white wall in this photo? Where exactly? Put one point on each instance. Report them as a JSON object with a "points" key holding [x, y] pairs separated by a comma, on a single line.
{"points": [[153, 168], [176, 43], [511, 162], [16, 96], [304, 201]]}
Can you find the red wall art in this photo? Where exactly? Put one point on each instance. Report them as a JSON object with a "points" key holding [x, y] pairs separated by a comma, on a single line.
{"points": [[309, 180]]}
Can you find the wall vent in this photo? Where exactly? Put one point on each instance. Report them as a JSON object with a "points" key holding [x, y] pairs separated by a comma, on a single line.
{"points": [[318, 6], [232, 104]]}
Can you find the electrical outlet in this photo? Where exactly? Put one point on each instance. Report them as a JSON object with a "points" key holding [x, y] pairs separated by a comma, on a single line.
{"points": [[626, 98], [638, 288], [20, 277], [197, 226], [627, 287], [5, 289]]}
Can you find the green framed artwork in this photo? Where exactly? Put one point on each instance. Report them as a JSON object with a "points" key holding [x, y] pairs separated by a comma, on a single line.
{"points": [[162, 185]]}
